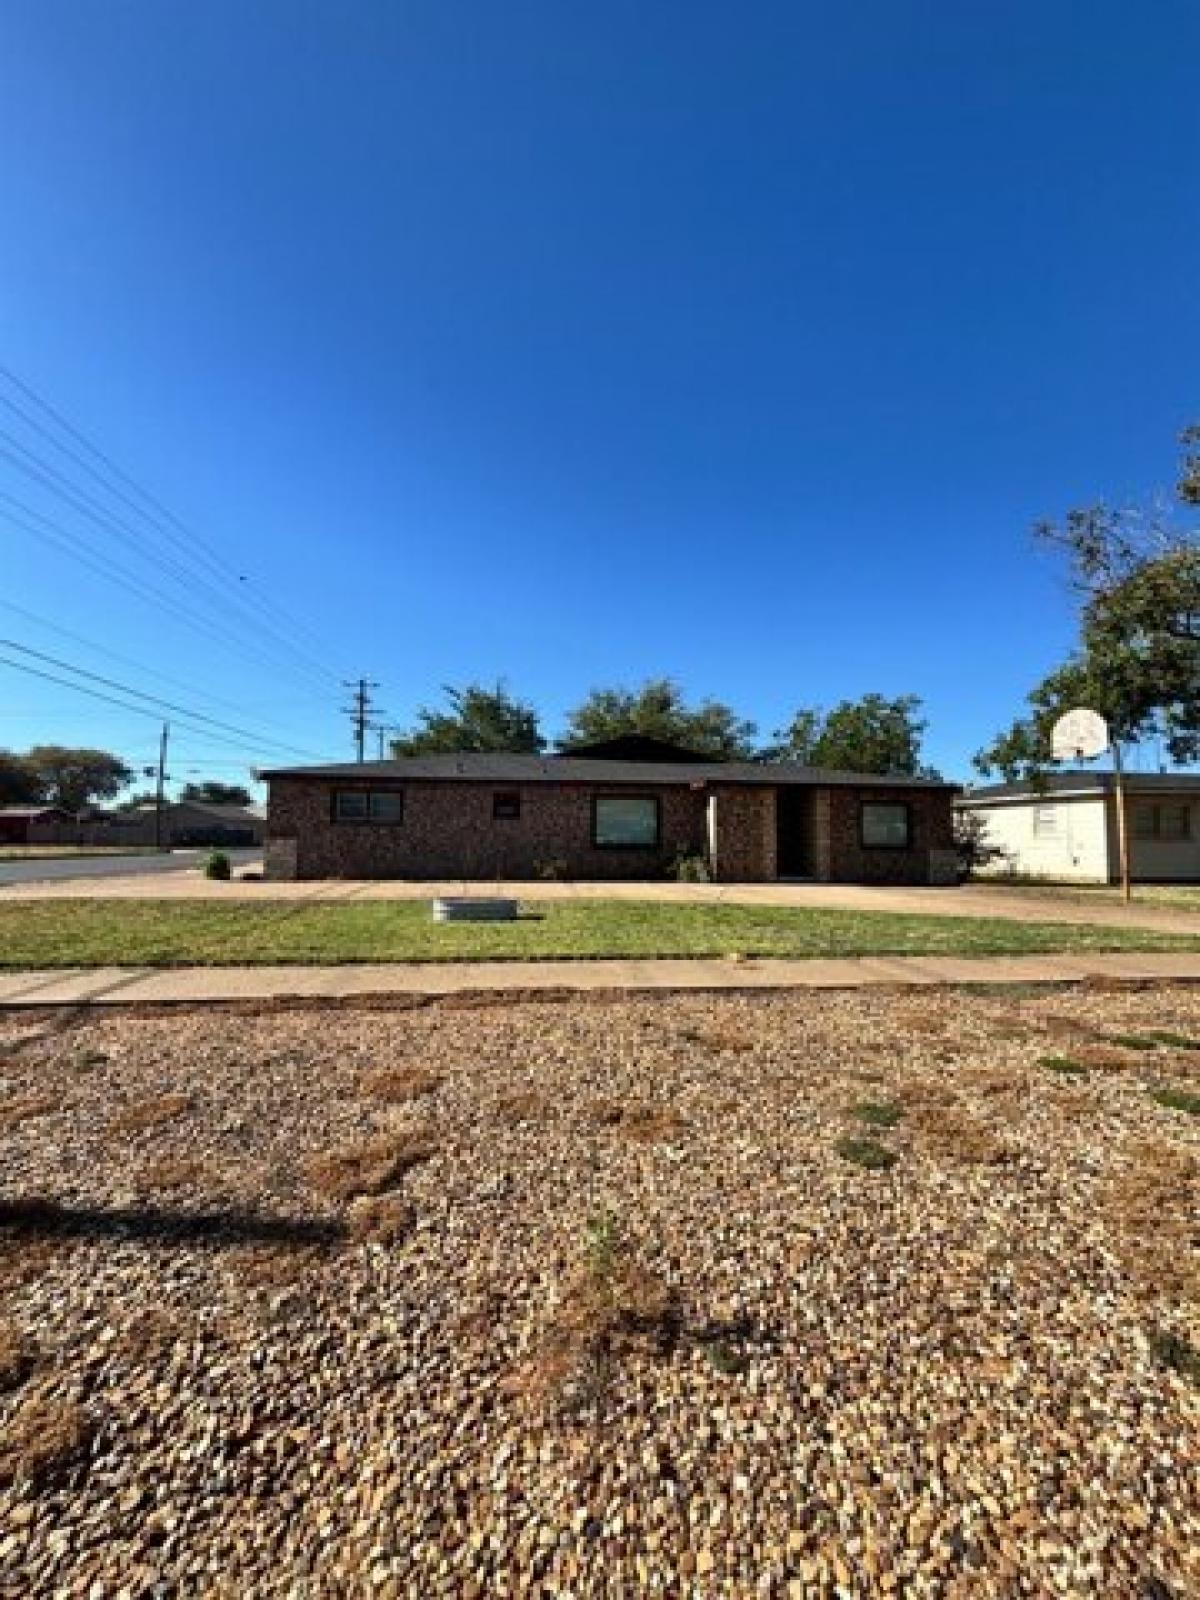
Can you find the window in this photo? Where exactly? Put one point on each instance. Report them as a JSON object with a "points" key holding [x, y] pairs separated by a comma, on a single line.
{"points": [[628, 822], [1045, 822], [368, 805], [1169, 823], [883, 826], [1143, 822], [506, 805]]}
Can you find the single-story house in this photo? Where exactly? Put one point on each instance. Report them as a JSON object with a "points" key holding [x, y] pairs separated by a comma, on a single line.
{"points": [[624, 808], [192, 823], [35, 825], [1066, 826]]}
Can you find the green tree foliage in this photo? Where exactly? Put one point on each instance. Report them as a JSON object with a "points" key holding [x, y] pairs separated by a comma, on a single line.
{"points": [[476, 719], [212, 793], [19, 786], [659, 710], [73, 778], [1137, 578], [873, 734]]}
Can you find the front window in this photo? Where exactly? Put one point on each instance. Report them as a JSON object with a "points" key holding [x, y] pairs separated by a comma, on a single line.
{"points": [[1168, 822], [368, 805], [885, 827], [625, 822], [506, 805]]}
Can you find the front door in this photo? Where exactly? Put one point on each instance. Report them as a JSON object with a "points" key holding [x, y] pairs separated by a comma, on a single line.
{"points": [[794, 815]]}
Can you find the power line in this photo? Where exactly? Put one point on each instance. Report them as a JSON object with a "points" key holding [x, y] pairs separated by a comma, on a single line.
{"points": [[159, 516], [241, 735], [35, 467]]}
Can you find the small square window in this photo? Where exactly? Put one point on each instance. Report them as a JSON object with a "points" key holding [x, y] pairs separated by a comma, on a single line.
{"points": [[1144, 822], [1045, 822], [884, 826], [1175, 822], [506, 805], [350, 805], [387, 805]]}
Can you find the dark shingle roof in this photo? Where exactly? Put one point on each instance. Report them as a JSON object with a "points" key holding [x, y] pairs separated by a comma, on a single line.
{"points": [[572, 769], [1080, 781]]}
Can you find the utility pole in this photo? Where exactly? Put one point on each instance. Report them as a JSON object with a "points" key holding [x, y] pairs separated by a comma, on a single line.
{"points": [[359, 712], [160, 785], [1122, 820]]}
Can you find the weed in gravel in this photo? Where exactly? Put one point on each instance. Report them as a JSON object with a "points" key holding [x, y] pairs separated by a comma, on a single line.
{"points": [[172, 1172], [1103, 1057], [1174, 1041], [150, 1334], [611, 1307], [641, 1120], [25, 1107], [953, 1132], [1178, 1100], [45, 1443], [724, 1357], [18, 1357], [1065, 1066], [397, 1085], [371, 1166], [1173, 1351], [868, 1153], [142, 1115], [381, 1219], [523, 1105], [1132, 1041], [879, 1113]]}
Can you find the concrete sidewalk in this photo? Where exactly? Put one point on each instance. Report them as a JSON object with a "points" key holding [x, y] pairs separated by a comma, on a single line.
{"points": [[192, 985]]}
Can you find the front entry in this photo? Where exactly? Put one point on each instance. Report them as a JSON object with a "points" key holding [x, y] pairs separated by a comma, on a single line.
{"points": [[795, 812]]}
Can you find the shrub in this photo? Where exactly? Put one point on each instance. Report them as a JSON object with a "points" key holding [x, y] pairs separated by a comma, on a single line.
{"points": [[971, 843], [217, 866], [689, 868]]}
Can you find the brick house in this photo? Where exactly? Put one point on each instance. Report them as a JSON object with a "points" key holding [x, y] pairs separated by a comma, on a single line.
{"points": [[627, 808]]}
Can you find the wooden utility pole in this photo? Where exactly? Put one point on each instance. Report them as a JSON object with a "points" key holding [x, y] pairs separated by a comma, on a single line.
{"points": [[359, 712], [160, 785]]}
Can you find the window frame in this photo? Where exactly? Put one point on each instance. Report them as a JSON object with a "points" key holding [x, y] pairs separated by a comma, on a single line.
{"points": [[616, 844], [890, 805], [503, 797], [1154, 813], [367, 819]]}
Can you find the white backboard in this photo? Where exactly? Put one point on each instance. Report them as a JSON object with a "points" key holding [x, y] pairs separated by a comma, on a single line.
{"points": [[1079, 735]]}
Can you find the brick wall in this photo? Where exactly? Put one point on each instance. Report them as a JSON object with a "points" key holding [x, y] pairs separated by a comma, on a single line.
{"points": [[842, 858], [448, 832]]}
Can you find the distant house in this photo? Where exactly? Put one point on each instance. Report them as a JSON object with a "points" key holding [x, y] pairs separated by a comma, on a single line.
{"points": [[193, 824], [624, 808], [1066, 828], [35, 825]]}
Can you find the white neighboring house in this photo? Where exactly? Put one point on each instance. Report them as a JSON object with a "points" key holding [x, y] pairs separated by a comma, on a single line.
{"points": [[1067, 828]]}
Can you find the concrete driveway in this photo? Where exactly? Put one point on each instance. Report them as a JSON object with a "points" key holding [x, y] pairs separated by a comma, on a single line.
{"points": [[38, 870]]}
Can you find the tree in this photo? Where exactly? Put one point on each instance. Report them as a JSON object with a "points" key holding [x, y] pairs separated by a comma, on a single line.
{"points": [[212, 793], [74, 778], [659, 710], [478, 720], [873, 734], [971, 843], [19, 785], [1137, 579]]}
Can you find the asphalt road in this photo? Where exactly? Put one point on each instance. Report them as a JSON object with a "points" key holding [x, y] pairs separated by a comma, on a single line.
{"points": [[57, 869]]}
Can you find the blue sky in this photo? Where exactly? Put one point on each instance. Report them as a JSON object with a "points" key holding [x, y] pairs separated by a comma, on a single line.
{"points": [[579, 344]]}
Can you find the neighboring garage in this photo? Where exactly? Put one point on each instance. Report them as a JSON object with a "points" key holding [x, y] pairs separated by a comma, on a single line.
{"points": [[625, 809], [1066, 827]]}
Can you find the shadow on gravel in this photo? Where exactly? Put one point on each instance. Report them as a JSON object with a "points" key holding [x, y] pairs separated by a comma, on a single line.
{"points": [[216, 1230]]}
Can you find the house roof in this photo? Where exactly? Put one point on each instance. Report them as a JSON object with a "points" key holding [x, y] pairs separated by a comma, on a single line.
{"points": [[1081, 781], [502, 768]]}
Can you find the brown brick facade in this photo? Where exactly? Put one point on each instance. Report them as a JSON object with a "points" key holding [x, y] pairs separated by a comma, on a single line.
{"points": [[449, 831]]}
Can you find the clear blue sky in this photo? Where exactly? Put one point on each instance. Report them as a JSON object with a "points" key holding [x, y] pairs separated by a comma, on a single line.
{"points": [[576, 344]]}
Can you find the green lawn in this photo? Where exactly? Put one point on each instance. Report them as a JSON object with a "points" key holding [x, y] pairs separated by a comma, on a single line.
{"points": [[50, 933]]}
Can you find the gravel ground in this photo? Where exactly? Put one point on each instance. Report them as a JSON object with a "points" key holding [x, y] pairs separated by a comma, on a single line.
{"points": [[577, 1298]]}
